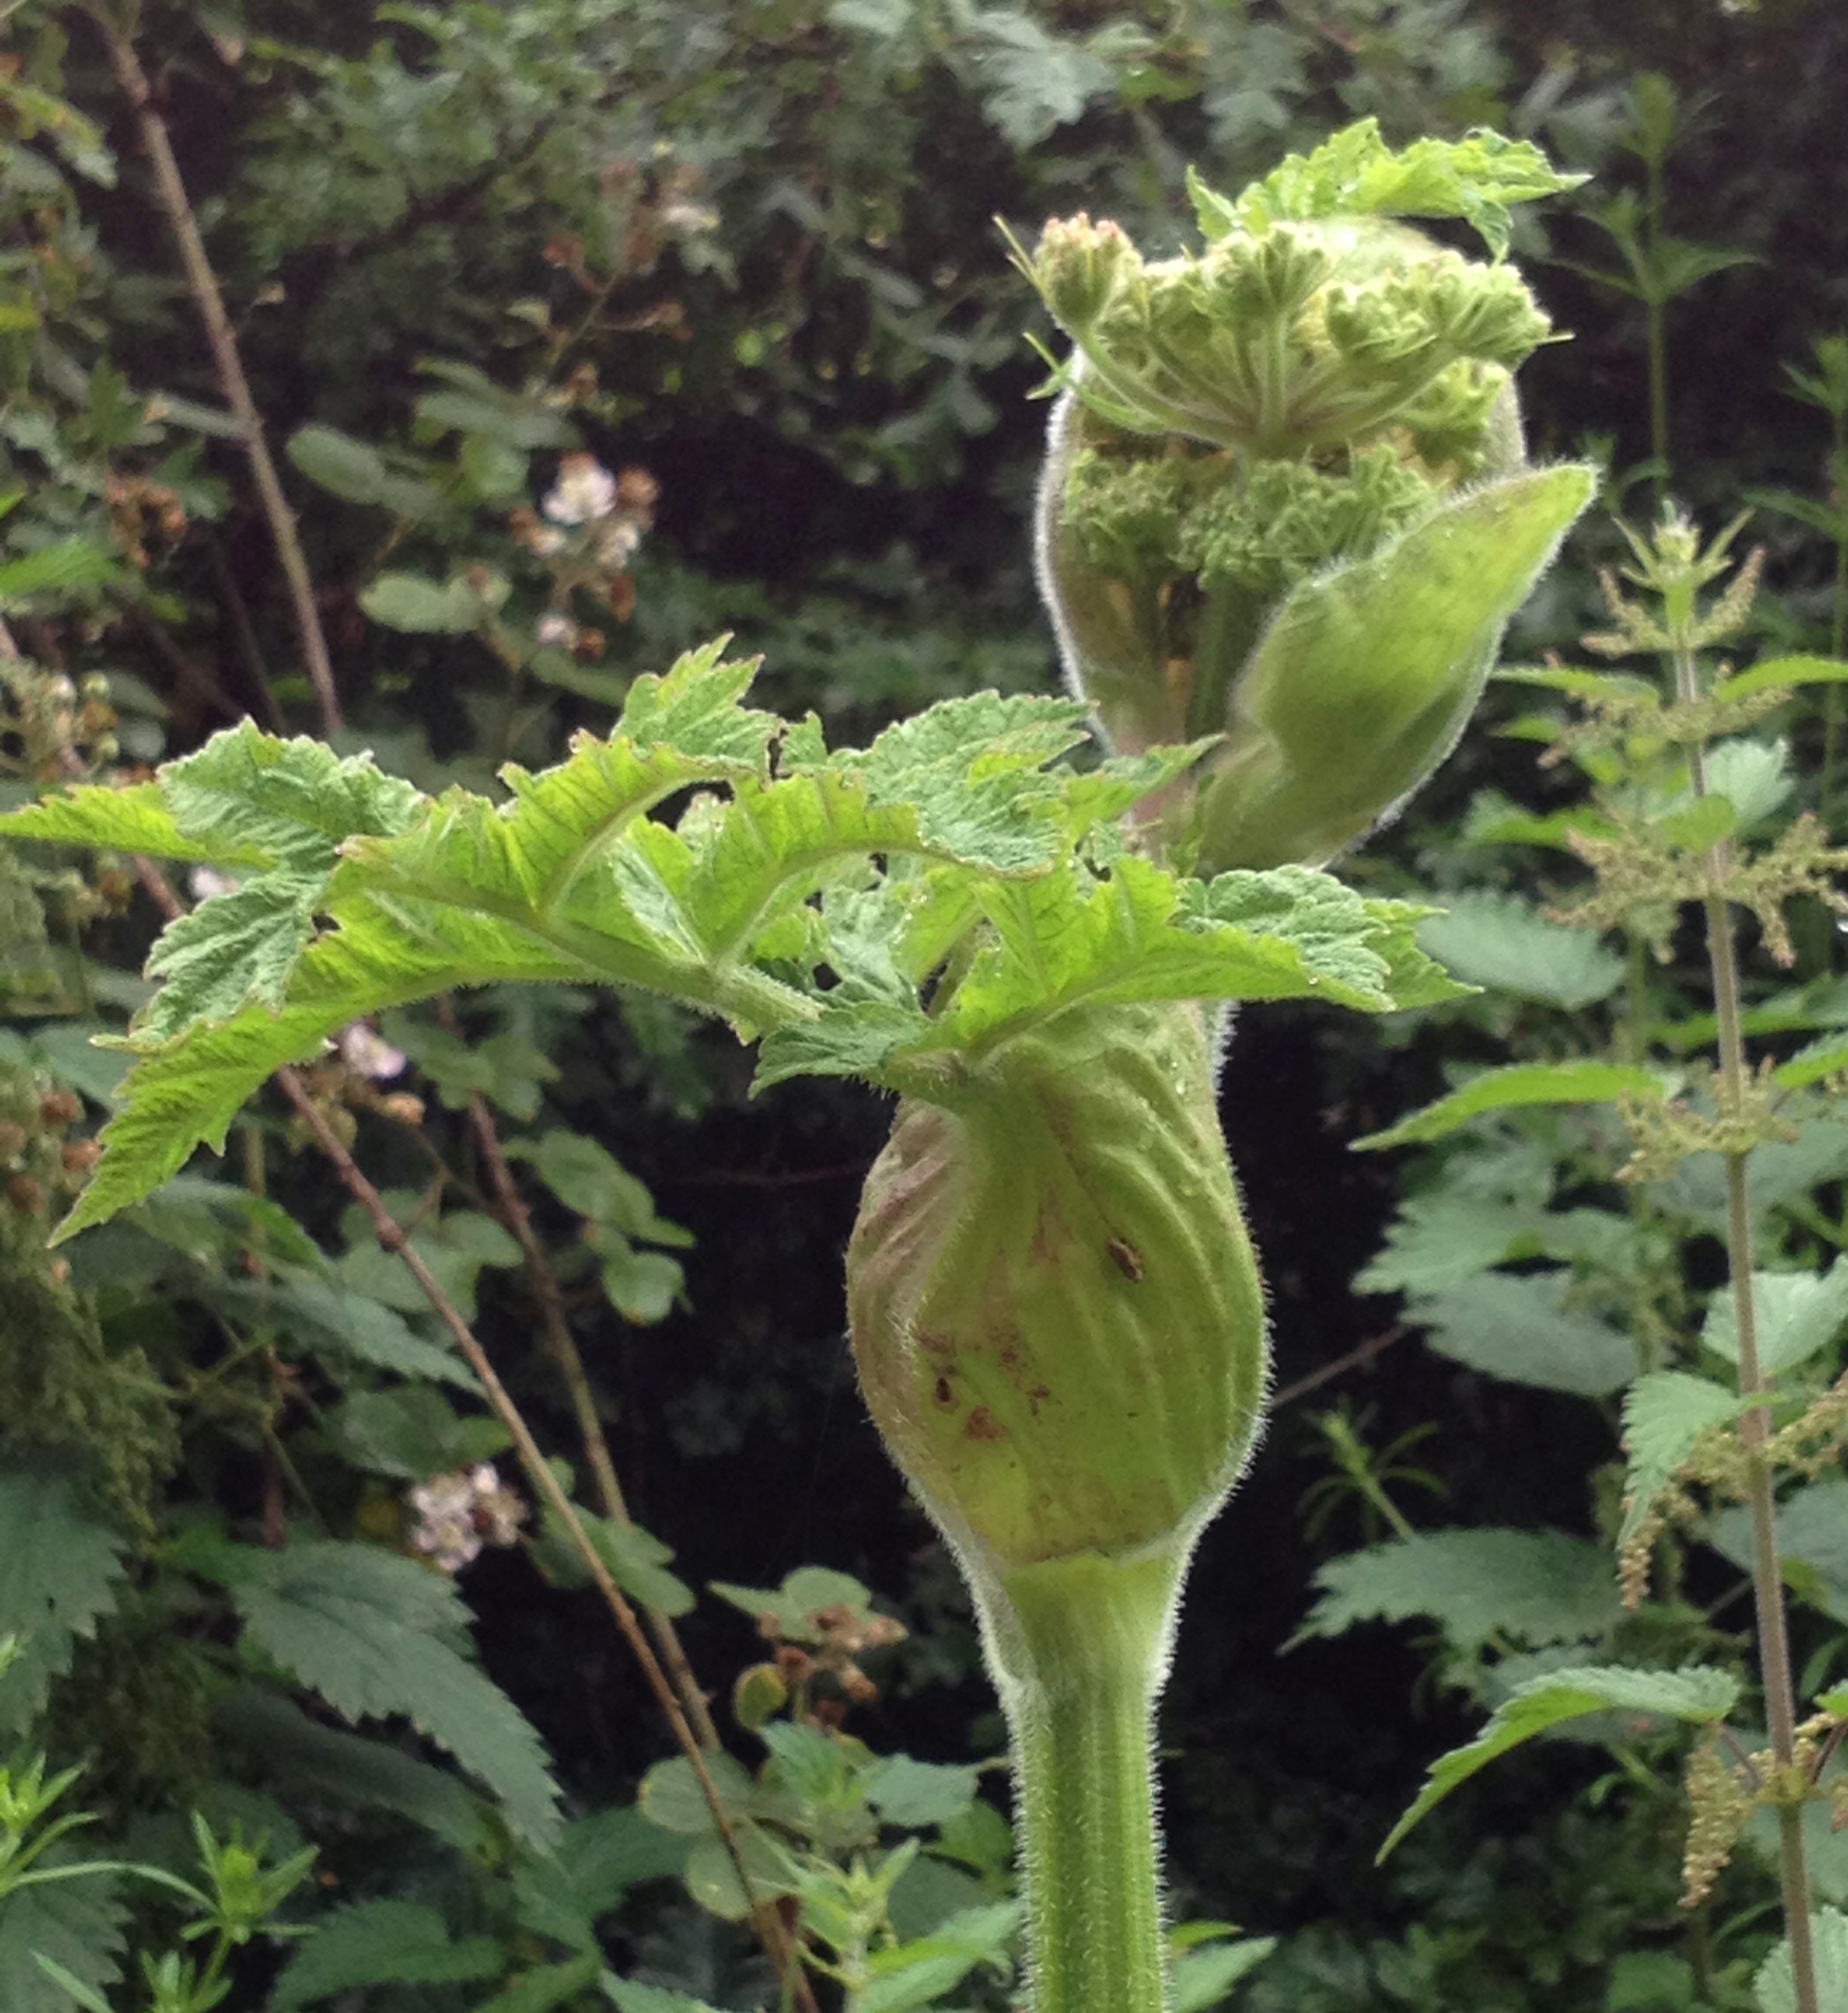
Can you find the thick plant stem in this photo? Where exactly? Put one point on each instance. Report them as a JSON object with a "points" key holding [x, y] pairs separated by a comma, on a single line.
{"points": [[1079, 1646], [1755, 1426]]}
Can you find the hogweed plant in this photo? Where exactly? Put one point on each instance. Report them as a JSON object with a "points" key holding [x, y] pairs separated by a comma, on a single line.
{"points": [[1285, 518]]}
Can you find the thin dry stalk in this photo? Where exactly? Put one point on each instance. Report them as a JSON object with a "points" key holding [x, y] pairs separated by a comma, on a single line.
{"points": [[202, 282]]}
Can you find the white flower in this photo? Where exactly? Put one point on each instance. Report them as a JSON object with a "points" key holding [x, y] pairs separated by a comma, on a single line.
{"points": [[554, 627], [584, 488], [446, 1531], [366, 1052], [206, 882], [617, 543]]}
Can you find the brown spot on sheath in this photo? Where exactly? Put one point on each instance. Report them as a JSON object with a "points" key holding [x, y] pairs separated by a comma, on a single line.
{"points": [[936, 1345], [983, 1425], [1127, 1259], [943, 1393]]}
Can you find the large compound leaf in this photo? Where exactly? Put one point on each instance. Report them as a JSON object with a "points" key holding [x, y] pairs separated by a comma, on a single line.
{"points": [[1696, 1694], [378, 1636], [59, 1569], [808, 897]]}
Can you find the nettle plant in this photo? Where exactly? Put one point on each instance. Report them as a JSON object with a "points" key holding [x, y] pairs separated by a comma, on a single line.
{"points": [[1286, 517]]}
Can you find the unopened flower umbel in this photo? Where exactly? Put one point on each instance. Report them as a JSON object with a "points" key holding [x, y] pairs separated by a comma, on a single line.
{"points": [[1242, 431]]}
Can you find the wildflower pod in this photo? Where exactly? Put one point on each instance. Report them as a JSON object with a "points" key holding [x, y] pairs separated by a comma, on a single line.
{"points": [[1055, 1311]]}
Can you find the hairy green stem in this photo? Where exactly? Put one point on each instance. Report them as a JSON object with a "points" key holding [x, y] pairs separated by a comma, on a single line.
{"points": [[1755, 1426], [1079, 1647]]}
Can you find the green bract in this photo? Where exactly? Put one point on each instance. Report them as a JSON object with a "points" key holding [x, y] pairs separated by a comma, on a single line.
{"points": [[1241, 429]]}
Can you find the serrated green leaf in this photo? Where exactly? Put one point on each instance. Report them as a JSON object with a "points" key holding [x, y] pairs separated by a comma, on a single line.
{"points": [[319, 1314], [1505, 944], [1508, 1089], [1476, 177], [1437, 1241], [1202, 1978], [1797, 1315], [293, 801], [60, 1566], [381, 1943], [1664, 1414], [352, 1769], [1518, 1328], [1068, 940], [918, 1972], [547, 1987], [188, 1094], [134, 819], [78, 1924], [1537, 1587], [1774, 1985], [377, 1636], [1812, 1535], [1695, 1694], [1753, 776], [56, 569]]}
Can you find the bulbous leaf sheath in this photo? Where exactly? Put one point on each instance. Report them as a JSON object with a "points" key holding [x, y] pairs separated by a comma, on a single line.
{"points": [[1055, 1311]]}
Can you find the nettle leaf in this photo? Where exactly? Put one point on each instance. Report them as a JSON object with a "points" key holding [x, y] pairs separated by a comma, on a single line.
{"points": [[1775, 1985], [381, 1943], [1538, 1587], [1812, 1538], [79, 1924], [1519, 1328], [1509, 1089], [1203, 1977], [1664, 1414], [1798, 1314], [1695, 1694], [379, 1636], [919, 1972], [1437, 1241], [1505, 944], [60, 1570]]}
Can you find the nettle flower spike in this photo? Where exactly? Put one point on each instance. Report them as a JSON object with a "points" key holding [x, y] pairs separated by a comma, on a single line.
{"points": [[1285, 500]]}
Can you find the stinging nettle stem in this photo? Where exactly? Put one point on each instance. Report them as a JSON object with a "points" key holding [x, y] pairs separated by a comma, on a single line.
{"points": [[1767, 1584]]}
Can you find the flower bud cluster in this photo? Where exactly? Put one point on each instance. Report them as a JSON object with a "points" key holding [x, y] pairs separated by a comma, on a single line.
{"points": [[1242, 422]]}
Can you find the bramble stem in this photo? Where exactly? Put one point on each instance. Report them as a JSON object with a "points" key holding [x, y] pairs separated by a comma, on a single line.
{"points": [[1079, 1649], [1755, 1426], [202, 282]]}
